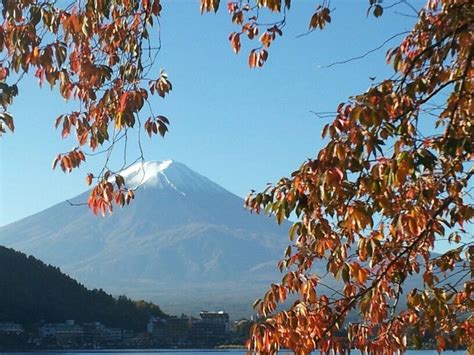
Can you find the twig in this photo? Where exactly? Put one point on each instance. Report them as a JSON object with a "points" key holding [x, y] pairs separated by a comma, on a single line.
{"points": [[345, 61]]}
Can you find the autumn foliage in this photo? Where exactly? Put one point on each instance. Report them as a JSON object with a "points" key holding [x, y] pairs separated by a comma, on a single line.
{"points": [[96, 52], [394, 179], [392, 182]]}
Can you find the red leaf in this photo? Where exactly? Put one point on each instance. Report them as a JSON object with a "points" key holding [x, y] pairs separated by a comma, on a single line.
{"points": [[123, 101]]}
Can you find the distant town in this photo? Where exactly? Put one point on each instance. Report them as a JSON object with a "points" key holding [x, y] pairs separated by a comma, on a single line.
{"points": [[210, 330]]}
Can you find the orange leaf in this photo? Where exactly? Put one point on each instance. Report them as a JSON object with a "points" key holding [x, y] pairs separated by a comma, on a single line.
{"points": [[123, 101], [89, 179]]}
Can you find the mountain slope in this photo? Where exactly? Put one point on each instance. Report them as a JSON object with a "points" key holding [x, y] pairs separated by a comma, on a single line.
{"points": [[33, 292], [185, 242]]}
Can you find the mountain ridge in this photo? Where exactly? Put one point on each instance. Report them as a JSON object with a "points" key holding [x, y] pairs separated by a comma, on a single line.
{"points": [[182, 235]]}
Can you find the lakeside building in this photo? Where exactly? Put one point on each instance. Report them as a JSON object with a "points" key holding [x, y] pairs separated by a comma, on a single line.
{"points": [[172, 330], [71, 333], [209, 329], [93, 332], [220, 318], [63, 333], [11, 328]]}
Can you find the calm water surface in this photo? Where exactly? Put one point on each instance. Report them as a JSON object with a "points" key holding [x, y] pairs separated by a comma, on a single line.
{"points": [[212, 352]]}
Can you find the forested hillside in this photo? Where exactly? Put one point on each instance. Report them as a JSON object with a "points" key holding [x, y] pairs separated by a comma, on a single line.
{"points": [[175, 246], [32, 291]]}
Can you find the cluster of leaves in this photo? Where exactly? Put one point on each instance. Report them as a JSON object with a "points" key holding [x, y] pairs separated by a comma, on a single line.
{"points": [[373, 203], [376, 201], [104, 195], [245, 14], [96, 52]]}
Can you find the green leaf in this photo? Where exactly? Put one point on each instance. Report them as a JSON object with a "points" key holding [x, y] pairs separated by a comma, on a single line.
{"points": [[355, 113], [345, 273], [294, 228], [280, 215]]}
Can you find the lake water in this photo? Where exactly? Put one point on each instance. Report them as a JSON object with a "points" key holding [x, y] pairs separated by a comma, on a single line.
{"points": [[213, 352]]}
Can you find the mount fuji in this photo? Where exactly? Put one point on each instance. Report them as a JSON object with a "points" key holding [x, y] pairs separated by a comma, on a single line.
{"points": [[184, 243]]}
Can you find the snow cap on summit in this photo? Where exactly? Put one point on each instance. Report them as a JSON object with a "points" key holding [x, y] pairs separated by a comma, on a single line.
{"points": [[167, 174], [145, 173]]}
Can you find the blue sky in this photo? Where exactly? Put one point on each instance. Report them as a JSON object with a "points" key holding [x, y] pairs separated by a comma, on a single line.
{"points": [[239, 127]]}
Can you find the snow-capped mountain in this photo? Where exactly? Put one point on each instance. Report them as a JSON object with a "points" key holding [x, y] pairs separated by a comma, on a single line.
{"points": [[185, 242], [167, 174]]}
